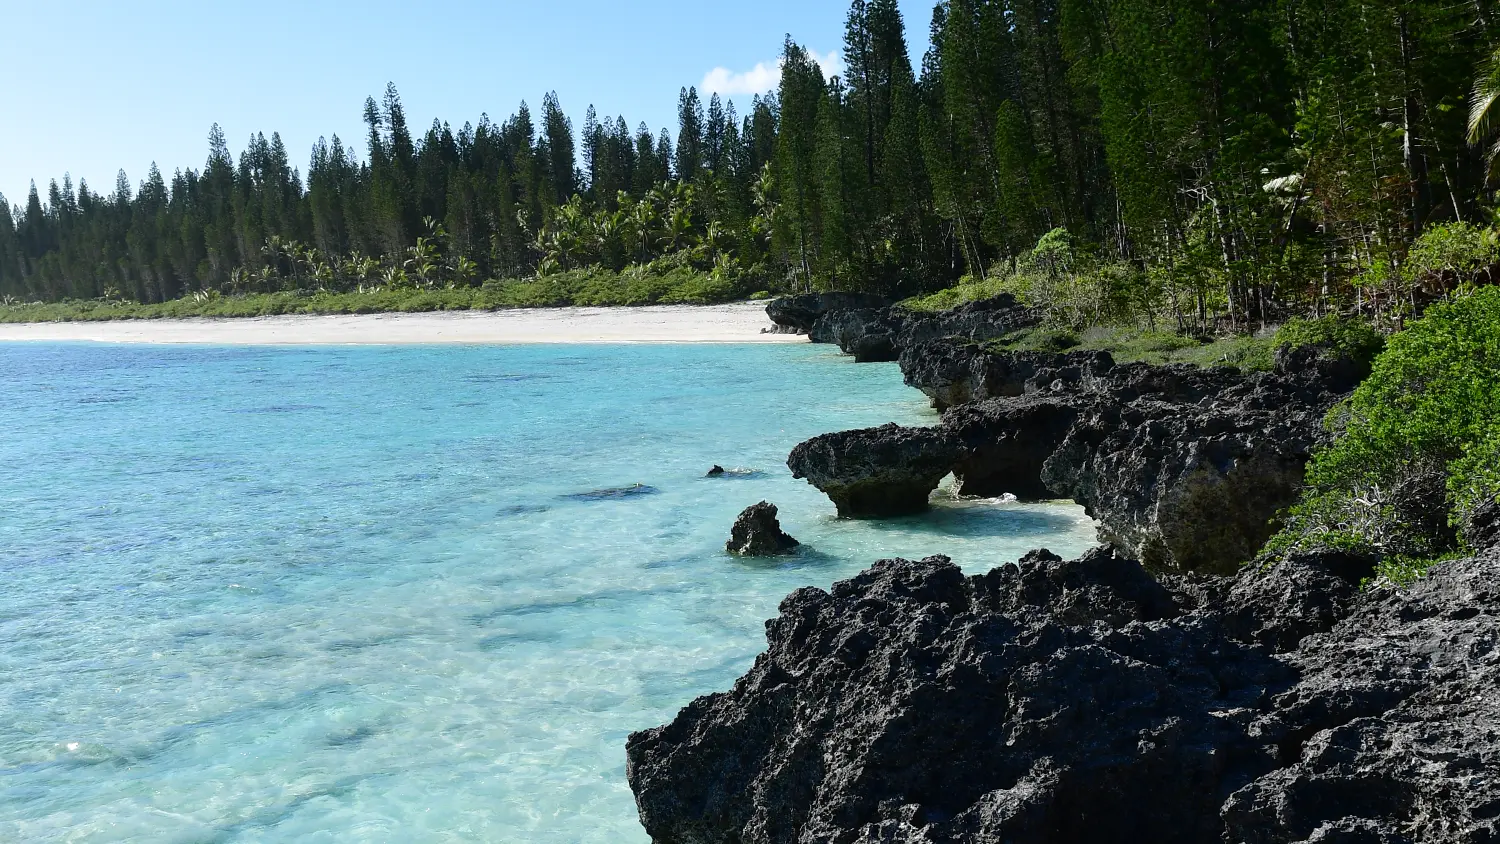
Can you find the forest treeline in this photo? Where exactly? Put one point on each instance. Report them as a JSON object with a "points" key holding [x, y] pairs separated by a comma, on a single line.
{"points": [[1213, 161]]}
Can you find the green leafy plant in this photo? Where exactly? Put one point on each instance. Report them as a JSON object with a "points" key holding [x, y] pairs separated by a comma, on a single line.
{"points": [[1416, 443]]}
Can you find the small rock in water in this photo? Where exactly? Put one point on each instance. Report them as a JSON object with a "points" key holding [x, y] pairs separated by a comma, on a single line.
{"points": [[757, 533], [734, 474]]}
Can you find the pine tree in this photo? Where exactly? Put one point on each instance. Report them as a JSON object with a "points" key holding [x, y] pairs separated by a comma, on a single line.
{"points": [[689, 160], [713, 136], [557, 139], [801, 94], [649, 171]]}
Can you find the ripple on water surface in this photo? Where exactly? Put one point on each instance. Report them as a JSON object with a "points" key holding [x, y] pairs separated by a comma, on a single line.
{"points": [[416, 594]]}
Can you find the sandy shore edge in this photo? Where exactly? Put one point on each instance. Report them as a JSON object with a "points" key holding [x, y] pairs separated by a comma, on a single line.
{"points": [[742, 322]]}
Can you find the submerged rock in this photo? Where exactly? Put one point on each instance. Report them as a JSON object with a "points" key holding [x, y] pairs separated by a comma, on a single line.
{"points": [[757, 533], [876, 472], [613, 492], [1057, 702]]}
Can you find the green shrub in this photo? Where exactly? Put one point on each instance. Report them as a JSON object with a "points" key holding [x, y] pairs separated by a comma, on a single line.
{"points": [[1460, 249], [1417, 442], [1351, 338]]}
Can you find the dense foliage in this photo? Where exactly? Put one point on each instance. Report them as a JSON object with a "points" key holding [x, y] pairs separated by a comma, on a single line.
{"points": [[1215, 165], [1417, 443]]}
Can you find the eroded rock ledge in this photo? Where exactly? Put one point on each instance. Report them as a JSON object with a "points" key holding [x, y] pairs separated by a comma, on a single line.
{"points": [[1184, 468], [866, 327], [876, 472], [1056, 702]]}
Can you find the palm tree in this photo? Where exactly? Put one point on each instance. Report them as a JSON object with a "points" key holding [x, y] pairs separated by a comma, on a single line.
{"points": [[1484, 106]]}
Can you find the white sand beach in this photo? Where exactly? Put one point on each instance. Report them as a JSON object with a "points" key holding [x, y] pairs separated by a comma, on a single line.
{"points": [[742, 322]]}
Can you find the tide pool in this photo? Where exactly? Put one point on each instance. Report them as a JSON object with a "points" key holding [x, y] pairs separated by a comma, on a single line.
{"points": [[375, 594]]}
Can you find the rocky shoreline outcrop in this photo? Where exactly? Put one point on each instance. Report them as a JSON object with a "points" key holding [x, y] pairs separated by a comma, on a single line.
{"points": [[1119, 697], [1184, 468], [798, 314], [1055, 701]]}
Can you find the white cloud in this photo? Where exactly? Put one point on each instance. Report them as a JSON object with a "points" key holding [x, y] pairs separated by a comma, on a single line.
{"points": [[764, 77], [832, 63], [758, 80]]}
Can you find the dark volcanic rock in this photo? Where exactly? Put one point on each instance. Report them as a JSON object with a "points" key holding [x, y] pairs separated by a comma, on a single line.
{"points": [[757, 533], [952, 372], [1184, 488], [867, 334], [1060, 702], [1481, 528], [862, 325], [798, 313], [876, 472], [1393, 732], [1185, 468], [1007, 443], [986, 319]]}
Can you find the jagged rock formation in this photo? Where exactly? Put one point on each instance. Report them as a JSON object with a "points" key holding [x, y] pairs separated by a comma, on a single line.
{"points": [[876, 472], [1184, 468], [757, 533], [1057, 702], [798, 313]]}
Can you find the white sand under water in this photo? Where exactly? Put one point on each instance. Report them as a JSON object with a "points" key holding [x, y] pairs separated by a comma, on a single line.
{"points": [[741, 322]]}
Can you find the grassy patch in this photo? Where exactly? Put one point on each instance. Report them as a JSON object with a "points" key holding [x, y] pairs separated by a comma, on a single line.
{"points": [[968, 289]]}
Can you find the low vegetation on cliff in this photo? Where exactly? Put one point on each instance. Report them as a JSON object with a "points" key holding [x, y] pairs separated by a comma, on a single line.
{"points": [[1417, 451]]}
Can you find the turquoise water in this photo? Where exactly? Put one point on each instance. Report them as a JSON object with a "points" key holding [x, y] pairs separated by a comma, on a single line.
{"points": [[362, 594]]}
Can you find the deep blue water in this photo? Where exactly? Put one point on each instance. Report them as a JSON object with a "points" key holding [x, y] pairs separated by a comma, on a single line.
{"points": [[366, 594]]}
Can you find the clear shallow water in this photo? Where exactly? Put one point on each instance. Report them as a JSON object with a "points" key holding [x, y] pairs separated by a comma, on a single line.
{"points": [[353, 594]]}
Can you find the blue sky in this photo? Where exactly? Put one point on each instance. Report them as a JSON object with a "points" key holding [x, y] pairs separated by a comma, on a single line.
{"points": [[93, 87]]}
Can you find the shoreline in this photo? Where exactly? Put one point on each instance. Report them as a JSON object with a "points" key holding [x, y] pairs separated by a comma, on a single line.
{"points": [[740, 322]]}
